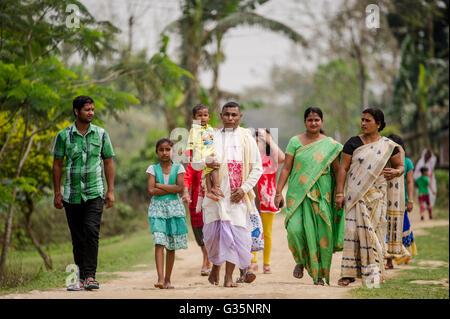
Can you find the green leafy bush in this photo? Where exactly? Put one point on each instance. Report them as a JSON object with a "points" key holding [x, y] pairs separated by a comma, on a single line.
{"points": [[442, 183]]}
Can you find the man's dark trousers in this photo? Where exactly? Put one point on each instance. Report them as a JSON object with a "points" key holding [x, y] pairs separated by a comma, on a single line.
{"points": [[84, 224]]}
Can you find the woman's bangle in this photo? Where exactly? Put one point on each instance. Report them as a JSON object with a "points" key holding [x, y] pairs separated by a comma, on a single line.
{"points": [[339, 194], [410, 201], [278, 195]]}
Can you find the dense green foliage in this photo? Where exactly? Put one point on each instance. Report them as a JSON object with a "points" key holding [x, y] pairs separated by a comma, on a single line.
{"points": [[442, 182]]}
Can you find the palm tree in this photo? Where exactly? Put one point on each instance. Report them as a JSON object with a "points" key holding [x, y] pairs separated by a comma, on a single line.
{"points": [[205, 21]]}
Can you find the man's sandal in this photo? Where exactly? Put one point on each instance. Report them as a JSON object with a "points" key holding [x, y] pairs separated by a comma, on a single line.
{"points": [[92, 284], [249, 277], [77, 286]]}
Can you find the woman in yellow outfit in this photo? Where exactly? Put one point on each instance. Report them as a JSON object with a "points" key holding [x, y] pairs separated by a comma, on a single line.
{"points": [[271, 156]]}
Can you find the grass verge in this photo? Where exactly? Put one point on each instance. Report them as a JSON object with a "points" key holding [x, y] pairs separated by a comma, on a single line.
{"points": [[432, 247], [119, 253]]}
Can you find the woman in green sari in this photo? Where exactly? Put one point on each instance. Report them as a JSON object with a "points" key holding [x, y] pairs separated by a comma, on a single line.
{"points": [[315, 229]]}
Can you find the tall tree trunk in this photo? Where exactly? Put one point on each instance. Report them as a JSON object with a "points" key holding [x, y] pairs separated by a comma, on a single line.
{"points": [[46, 258], [192, 48], [362, 84], [130, 33], [423, 126], [171, 125], [217, 59], [193, 94], [9, 217], [358, 52]]}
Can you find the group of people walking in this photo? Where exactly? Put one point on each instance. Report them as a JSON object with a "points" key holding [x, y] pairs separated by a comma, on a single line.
{"points": [[348, 198]]}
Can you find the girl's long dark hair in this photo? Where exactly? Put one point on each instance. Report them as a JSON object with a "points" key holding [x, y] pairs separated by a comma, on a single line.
{"points": [[267, 145]]}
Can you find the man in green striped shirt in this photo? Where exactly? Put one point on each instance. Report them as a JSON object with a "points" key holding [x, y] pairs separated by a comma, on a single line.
{"points": [[84, 147]]}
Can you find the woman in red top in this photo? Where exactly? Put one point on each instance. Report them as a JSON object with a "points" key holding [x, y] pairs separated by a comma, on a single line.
{"points": [[271, 157]]}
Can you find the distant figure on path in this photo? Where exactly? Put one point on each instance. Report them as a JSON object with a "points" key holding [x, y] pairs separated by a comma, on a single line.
{"points": [[423, 183], [428, 159], [84, 146]]}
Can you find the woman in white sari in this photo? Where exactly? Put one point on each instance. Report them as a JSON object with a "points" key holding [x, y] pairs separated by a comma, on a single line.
{"points": [[371, 170]]}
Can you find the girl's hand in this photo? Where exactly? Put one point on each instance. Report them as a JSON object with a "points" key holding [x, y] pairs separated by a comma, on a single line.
{"points": [[339, 202], [409, 206], [186, 197], [278, 199]]}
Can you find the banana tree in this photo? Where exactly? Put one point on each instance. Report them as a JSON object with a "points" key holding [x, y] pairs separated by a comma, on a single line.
{"points": [[206, 21], [421, 82]]}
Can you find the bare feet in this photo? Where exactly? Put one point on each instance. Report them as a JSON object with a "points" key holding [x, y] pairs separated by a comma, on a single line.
{"points": [[213, 277], [159, 284], [229, 284], [167, 285]]}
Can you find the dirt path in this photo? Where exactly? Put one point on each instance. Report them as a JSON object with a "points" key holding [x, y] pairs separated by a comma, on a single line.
{"points": [[189, 284]]}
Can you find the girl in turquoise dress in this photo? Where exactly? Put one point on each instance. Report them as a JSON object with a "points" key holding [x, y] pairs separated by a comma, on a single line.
{"points": [[166, 211]]}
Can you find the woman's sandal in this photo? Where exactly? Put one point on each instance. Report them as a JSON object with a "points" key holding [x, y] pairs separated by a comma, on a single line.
{"points": [[205, 272], [158, 285], [298, 271], [345, 281], [253, 267], [266, 269], [319, 282]]}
